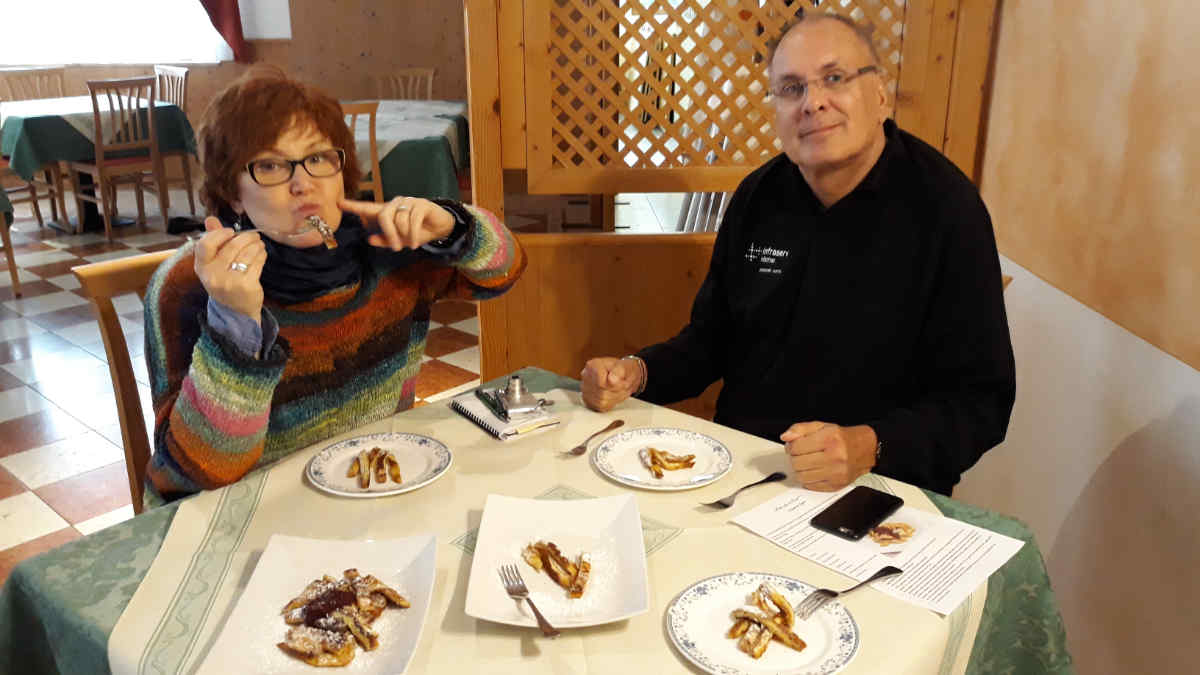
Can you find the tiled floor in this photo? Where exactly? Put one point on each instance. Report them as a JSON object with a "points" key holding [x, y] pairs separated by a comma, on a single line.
{"points": [[62, 469]]}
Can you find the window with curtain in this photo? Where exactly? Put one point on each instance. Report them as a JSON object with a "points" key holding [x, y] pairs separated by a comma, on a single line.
{"points": [[42, 32]]}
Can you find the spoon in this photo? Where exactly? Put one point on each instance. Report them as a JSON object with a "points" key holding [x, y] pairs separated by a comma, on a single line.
{"points": [[582, 447]]}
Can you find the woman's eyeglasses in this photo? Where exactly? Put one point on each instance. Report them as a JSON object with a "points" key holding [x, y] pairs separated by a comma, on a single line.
{"points": [[270, 171]]}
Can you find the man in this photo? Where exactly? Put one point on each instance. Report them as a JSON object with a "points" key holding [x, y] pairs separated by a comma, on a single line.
{"points": [[853, 306]]}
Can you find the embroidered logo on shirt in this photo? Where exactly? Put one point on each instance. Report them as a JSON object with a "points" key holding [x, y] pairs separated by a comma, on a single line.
{"points": [[768, 258]]}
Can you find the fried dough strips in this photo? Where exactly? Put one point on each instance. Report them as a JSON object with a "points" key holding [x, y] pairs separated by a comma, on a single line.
{"points": [[658, 461], [331, 615], [382, 463], [545, 557], [757, 630]]}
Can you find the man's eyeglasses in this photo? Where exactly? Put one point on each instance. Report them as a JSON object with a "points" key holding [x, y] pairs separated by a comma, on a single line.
{"points": [[270, 171], [832, 81]]}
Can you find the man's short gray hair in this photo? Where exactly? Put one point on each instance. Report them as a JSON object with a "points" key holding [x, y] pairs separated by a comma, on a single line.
{"points": [[863, 31]]}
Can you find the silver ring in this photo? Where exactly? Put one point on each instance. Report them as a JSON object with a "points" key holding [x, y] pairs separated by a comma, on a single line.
{"points": [[239, 267], [402, 207]]}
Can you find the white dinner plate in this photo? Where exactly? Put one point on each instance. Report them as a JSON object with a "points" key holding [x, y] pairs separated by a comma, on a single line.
{"points": [[608, 529], [422, 460], [248, 641], [698, 618], [617, 457]]}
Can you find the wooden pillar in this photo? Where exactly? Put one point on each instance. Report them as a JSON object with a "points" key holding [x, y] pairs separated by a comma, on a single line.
{"points": [[481, 19]]}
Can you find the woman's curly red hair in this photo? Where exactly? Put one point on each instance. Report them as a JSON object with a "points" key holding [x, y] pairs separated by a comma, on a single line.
{"points": [[249, 116]]}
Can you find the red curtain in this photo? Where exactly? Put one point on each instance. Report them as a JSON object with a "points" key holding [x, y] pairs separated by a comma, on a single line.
{"points": [[227, 20]]}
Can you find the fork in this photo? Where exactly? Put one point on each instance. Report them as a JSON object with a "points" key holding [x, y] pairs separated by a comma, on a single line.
{"points": [[728, 501], [817, 599], [514, 585], [582, 447]]}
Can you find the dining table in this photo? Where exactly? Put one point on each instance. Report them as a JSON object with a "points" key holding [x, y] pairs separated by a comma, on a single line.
{"points": [[150, 594], [38, 132], [422, 146]]}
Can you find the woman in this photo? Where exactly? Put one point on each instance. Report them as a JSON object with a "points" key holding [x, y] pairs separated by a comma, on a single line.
{"points": [[262, 337]]}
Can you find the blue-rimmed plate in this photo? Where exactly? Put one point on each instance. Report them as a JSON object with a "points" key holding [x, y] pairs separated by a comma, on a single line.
{"points": [[422, 460], [698, 618], [618, 458]]}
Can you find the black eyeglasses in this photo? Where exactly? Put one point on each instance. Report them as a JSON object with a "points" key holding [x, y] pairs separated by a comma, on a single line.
{"points": [[834, 80], [271, 171]]}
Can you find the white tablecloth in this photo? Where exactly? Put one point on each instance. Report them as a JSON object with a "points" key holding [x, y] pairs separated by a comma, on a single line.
{"points": [[215, 539]]}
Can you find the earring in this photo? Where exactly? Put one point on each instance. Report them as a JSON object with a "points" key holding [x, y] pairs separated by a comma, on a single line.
{"points": [[244, 221]]}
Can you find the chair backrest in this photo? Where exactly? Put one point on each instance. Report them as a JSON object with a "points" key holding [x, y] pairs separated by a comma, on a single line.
{"points": [[407, 83], [29, 83], [102, 282], [702, 211], [352, 110], [122, 109], [586, 295], [172, 85]]}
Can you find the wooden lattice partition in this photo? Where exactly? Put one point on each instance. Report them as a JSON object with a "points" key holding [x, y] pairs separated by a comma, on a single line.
{"points": [[658, 86]]}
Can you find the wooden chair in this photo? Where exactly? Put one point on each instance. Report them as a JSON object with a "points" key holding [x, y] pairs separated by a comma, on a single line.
{"points": [[172, 88], [368, 108], [407, 83], [102, 282], [6, 241], [23, 85], [130, 154]]}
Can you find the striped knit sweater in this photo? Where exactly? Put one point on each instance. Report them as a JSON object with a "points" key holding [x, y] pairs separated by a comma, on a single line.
{"points": [[343, 359]]}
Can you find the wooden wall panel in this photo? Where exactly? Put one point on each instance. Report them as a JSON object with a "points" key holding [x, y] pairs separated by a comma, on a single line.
{"points": [[1092, 159], [586, 295], [925, 68], [970, 85]]}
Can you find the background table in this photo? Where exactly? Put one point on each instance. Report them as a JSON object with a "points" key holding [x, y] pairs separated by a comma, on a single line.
{"points": [[422, 147], [37, 132], [58, 609]]}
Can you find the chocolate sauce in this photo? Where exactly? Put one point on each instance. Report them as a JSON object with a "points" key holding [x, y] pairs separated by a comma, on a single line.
{"points": [[325, 604]]}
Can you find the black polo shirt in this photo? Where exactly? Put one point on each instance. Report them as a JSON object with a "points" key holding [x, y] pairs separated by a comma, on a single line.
{"points": [[884, 309]]}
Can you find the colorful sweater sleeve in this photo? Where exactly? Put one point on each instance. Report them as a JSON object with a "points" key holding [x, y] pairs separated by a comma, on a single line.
{"points": [[489, 262], [211, 401]]}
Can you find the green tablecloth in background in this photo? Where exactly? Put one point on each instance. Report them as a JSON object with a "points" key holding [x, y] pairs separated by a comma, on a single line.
{"points": [[36, 140], [58, 609], [426, 167]]}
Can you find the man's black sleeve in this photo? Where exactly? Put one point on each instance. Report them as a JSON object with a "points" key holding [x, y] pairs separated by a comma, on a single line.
{"points": [[964, 363]]}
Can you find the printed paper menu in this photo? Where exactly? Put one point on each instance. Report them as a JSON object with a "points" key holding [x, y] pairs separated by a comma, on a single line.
{"points": [[944, 560]]}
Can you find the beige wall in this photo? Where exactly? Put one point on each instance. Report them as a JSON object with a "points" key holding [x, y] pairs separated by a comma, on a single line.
{"points": [[1093, 158], [1091, 168]]}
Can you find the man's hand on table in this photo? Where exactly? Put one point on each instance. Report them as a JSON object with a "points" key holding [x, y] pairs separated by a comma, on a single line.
{"points": [[606, 381], [829, 457]]}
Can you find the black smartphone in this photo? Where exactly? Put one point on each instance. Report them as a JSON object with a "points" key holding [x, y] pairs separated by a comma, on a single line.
{"points": [[856, 512]]}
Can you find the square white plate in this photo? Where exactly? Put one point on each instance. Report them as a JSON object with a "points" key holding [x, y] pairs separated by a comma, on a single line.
{"points": [[609, 529], [248, 641]]}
